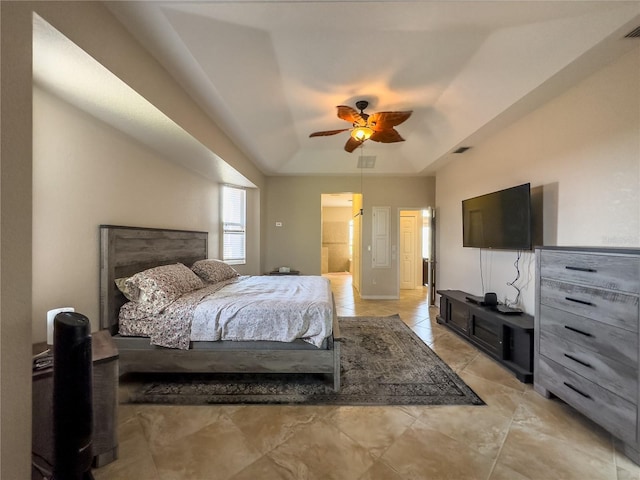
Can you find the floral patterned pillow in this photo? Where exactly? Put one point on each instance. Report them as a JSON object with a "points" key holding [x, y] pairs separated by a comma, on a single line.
{"points": [[214, 271], [121, 283], [157, 287]]}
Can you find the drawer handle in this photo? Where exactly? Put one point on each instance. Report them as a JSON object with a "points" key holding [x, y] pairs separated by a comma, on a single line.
{"points": [[577, 391], [581, 269], [586, 334], [582, 302], [581, 362]]}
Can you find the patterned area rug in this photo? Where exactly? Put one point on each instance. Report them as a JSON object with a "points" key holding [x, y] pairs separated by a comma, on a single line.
{"points": [[382, 361]]}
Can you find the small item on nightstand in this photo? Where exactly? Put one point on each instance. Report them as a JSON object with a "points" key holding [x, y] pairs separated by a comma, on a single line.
{"points": [[43, 360], [280, 272]]}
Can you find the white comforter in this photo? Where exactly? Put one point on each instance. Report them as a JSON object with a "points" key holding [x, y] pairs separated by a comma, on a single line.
{"points": [[275, 308], [266, 308]]}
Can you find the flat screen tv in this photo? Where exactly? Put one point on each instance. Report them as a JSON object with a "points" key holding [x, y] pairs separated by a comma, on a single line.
{"points": [[499, 220]]}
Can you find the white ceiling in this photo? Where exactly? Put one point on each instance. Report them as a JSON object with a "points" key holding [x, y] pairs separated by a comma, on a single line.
{"points": [[271, 72]]}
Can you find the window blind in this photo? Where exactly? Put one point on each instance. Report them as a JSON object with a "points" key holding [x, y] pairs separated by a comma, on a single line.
{"points": [[234, 224]]}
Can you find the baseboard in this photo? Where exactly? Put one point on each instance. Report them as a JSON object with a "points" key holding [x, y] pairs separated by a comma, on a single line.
{"points": [[379, 297]]}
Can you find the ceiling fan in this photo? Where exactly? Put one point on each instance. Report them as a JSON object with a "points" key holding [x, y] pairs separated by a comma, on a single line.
{"points": [[377, 126]]}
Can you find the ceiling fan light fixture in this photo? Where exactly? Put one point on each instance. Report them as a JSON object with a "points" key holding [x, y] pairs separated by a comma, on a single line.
{"points": [[361, 133], [379, 127]]}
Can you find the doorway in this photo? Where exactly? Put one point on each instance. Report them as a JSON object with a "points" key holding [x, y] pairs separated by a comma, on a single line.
{"points": [[416, 250], [340, 227]]}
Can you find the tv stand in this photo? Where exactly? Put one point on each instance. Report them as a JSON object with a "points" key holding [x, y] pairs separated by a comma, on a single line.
{"points": [[507, 339]]}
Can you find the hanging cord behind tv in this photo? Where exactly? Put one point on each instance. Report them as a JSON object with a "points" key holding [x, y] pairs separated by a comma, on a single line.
{"points": [[512, 283]]}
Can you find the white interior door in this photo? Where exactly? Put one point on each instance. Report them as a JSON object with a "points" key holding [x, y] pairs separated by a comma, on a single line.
{"points": [[408, 251]]}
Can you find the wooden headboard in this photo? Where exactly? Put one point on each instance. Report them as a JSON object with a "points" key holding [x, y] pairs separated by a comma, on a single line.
{"points": [[125, 251]]}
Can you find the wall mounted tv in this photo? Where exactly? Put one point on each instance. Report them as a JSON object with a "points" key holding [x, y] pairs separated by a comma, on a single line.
{"points": [[500, 220]]}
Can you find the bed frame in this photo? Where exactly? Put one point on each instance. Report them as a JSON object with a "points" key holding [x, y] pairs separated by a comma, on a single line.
{"points": [[125, 251]]}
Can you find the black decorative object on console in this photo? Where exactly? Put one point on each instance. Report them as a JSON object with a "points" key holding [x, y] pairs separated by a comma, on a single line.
{"points": [[490, 299]]}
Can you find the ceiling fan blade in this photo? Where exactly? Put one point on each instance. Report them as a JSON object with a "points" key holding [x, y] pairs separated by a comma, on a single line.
{"points": [[352, 144], [350, 115], [326, 133], [389, 135], [384, 120]]}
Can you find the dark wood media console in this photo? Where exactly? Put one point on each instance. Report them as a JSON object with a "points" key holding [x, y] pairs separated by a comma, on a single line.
{"points": [[506, 338]]}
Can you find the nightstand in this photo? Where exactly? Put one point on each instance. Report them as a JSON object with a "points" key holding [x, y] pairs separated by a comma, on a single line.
{"points": [[105, 403], [277, 272]]}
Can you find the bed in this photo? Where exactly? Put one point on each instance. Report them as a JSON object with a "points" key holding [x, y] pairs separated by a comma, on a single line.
{"points": [[125, 251]]}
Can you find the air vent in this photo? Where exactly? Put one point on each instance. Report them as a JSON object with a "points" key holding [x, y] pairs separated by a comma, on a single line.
{"points": [[461, 150], [635, 33], [367, 161]]}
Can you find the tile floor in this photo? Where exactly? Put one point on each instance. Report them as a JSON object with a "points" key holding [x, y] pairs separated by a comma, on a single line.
{"points": [[518, 435]]}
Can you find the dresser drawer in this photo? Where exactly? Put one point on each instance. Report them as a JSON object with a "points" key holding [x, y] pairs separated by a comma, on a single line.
{"points": [[612, 342], [612, 308], [612, 272], [612, 412], [606, 372]]}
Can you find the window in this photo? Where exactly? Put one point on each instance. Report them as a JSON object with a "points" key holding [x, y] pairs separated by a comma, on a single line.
{"points": [[234, 214]]}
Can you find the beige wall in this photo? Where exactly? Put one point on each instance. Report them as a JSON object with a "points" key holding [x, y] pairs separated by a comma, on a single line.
{"points": [[581, 151], [15, 242], [86, 173], [296, 202]]}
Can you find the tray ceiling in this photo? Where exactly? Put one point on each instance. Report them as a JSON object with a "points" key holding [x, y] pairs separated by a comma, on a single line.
{"points": [[269, 73]]}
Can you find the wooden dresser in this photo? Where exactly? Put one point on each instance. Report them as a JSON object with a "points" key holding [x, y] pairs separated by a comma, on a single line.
{"points": [[586, 335]]}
